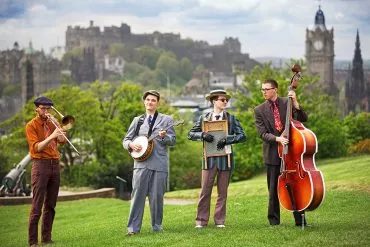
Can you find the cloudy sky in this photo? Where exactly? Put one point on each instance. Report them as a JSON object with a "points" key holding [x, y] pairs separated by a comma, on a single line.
{"points": [[264, 27]]}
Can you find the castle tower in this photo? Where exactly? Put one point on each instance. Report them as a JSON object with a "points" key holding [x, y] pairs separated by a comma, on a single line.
{"points": [[356, 98], [320, 53]]}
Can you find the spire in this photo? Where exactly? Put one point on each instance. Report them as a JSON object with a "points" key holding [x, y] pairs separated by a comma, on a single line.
{"points": [[320, 19], [357, 58]]}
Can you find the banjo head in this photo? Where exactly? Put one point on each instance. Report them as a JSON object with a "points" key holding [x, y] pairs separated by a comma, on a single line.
{"points": [[143, 141]]}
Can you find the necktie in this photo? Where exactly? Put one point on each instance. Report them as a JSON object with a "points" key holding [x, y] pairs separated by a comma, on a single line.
{"points": [[150, 120], [278, 124], [47, 131], [218, 117]]}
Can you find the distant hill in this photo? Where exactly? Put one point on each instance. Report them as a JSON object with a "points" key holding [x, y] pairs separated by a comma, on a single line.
{"points": [[278, 62]]}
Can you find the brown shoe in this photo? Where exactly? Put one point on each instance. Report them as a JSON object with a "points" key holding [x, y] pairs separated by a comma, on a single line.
{"points": [[131, 233], [47, 242], [34, 245]]}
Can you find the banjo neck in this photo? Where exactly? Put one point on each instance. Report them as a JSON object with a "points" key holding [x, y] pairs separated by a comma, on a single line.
{"points": [[165, 129]]}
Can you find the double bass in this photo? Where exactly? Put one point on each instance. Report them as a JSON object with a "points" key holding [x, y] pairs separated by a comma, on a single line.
{"points": [[300, 184]]}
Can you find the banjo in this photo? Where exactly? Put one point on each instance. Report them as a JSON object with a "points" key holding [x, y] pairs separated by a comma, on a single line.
{"points": [[147, 144]]}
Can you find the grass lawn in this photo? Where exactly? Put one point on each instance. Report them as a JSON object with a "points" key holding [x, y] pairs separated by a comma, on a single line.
{"points": [[342, 220]]}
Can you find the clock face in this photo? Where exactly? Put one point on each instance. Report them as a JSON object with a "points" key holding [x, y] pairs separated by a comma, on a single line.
{"points": [[318, 45]]}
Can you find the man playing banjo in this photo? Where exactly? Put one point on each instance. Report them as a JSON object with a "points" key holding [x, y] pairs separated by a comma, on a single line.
{"points": [[150, 175]]}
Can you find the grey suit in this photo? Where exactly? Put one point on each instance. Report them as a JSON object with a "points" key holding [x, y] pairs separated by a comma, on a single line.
{"points": [[265, 124], [149, 178]]}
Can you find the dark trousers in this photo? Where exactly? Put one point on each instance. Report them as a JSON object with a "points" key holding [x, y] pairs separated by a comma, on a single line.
{"points": [[273, 215], [45, 178], [203, 210]]}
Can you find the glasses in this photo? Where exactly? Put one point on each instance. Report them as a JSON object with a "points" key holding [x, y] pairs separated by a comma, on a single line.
{"points": [[266, 89], [224, 100]]}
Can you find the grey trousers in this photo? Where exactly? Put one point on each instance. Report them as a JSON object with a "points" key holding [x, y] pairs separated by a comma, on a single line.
{"points": [[149, 183], [203, 210]]}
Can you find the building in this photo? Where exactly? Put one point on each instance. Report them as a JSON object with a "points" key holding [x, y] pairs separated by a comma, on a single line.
{"points": [[320, 53], [357, 87]]}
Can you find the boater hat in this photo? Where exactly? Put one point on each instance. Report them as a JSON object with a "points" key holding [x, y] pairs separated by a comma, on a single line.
{"points": [[217, 92]]}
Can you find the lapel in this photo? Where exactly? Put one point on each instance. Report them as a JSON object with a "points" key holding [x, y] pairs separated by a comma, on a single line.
{"points": [[268, 114], [158, 121]]}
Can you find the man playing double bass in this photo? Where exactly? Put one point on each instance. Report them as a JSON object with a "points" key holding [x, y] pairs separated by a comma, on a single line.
{"points": [[270, 121]]}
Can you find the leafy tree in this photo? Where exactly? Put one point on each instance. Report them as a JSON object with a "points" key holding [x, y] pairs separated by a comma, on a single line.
{"points": [[149, 56], [167, 68], [132, 70], [186, 69]]}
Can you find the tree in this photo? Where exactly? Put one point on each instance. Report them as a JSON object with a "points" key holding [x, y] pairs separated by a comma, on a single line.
{"points": [[149, 56]]}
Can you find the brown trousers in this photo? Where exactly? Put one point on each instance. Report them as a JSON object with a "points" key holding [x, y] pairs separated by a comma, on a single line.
{"points": [[45, 178], [203, 211]]}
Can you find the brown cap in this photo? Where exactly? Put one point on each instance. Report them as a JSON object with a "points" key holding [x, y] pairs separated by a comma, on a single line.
{"points": [[152, 92], [217, 92]]}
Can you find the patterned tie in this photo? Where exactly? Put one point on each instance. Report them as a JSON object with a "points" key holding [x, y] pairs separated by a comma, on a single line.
{"points": [[278, 124], [150, 120], [218, 117], [52, 144]]}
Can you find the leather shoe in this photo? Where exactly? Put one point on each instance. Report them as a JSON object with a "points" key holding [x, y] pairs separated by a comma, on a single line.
{"points": [[47, 242], [131, 234]]}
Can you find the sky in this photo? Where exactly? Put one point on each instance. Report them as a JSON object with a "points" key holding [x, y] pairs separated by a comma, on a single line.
{"points": [[265, 28]]}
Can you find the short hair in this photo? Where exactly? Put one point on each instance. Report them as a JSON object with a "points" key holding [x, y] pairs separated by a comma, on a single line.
{"points": [[272, 82], [152, 92]]}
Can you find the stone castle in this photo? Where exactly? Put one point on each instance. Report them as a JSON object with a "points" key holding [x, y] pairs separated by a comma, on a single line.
{"points": [[214, 57]]}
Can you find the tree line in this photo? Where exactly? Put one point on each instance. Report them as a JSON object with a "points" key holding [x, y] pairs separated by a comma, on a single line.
{"points": [[104, 111]]}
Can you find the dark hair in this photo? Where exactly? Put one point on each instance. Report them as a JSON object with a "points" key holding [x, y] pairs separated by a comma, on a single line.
{"points": [[272, 82]]}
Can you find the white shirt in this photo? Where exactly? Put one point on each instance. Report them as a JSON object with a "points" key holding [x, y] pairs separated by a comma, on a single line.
{"points": [[221, 114]]}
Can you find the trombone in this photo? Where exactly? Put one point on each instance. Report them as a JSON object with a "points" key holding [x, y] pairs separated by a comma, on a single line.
{"points": [[67, 122]]}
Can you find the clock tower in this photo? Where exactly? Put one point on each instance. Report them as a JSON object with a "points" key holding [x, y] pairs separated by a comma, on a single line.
{"points": [[320, 53]]}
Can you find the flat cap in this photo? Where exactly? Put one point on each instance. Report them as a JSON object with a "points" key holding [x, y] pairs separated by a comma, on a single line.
{"points": [[152, 92], [217, 92], [43, 101]]}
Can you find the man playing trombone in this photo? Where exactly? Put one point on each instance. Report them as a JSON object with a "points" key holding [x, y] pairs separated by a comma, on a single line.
{"points": [[42, 137]]}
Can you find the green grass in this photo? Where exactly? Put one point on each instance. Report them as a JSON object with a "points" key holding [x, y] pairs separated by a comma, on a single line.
{"points": [[342, 220]]}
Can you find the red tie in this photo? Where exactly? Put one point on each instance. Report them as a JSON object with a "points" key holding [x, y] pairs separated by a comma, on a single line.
{"points": [[53, 143], [278, 124]]}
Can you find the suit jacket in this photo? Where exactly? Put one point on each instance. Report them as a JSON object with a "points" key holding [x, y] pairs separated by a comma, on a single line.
{"points": [[158, 160], [235, 135], [265, 124]]}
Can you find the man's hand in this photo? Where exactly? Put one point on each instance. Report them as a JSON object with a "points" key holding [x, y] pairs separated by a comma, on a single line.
{"points": [[208, 137], [282, 140], [291, 94], [221, 144], [162, 133], [135, 147]]}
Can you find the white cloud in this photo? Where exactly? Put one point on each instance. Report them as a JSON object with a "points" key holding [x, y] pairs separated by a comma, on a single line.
{"points": [[265, 28]]}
